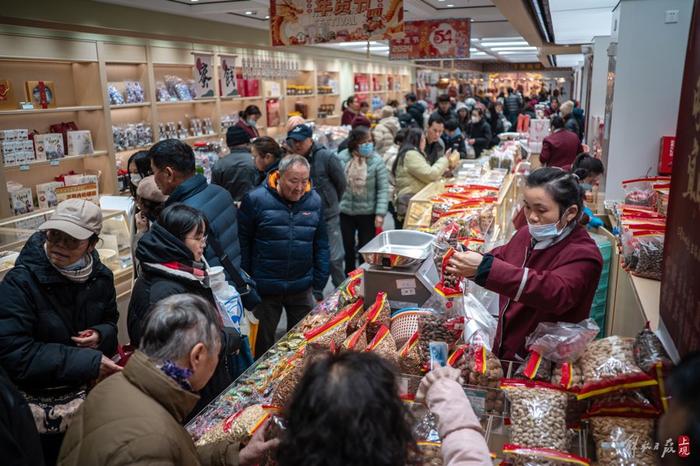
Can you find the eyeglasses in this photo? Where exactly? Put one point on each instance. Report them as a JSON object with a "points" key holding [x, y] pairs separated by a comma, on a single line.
{"points": [[202, 239], [58, 237]]}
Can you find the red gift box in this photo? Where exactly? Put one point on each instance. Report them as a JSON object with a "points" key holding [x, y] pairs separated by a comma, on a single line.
{"points": [[666, 149]]}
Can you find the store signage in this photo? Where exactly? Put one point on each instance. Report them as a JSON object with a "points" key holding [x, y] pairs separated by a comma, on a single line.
{"points": [[680, 290], [305, 22], [203, 75], [229, 86], [432, 40]]}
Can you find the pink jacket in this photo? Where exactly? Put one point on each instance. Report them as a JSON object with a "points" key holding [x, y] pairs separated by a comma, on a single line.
{"points": [[463, 442]]}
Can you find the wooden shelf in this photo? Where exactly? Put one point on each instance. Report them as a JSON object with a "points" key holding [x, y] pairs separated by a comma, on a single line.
{"points": [[243, 99], [188, 102], [204, 136], [329, 117], [328, 95], [132, 150], [38, 111], [140, 104], [307, 96], [67, 158]]}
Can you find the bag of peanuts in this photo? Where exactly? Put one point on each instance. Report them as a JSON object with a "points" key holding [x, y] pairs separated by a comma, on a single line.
{"points": [[384, 345], [519, 455], [620, 440], [240, 426], [356, 311], [287, 383], [378, 315], [537, 414], [608, 366]]}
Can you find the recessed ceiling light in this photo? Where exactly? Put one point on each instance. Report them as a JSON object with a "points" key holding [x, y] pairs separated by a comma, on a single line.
{"points": [[450, 5], [486, 43], [267, 17], [518, 49], [249, 12], [193, 1]]}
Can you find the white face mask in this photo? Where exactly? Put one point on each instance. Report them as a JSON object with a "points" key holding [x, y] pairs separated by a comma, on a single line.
{"points": [[135, 179], [546, 231], [475, 119]]}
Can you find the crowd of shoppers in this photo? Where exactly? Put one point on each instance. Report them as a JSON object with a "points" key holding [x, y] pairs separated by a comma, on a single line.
{"points": [[280, 220]]}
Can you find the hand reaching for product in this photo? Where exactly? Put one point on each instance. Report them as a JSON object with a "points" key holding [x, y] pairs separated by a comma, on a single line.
{"points": [[255, 451], [453, 157], [464, 264], [446, 372]]}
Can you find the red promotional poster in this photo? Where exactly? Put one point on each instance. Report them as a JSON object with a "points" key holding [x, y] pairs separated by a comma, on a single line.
{"points": [[306, 22], [680, 290], [666, 149], [432, 40]]}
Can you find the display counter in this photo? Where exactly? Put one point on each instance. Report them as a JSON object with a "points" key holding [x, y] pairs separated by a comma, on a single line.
{"points": [[114, 246], [419, 215]]}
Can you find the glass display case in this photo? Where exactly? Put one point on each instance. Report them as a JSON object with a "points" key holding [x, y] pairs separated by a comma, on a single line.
{"points": [[114, 246]]}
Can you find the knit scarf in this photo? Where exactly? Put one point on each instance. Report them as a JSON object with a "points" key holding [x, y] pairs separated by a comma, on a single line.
{"points": [[77, 273], [180, 375], [356, 173]]}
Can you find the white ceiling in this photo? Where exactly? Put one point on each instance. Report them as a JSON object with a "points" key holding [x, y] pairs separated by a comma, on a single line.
{"points": [[488, 23], [579, 21]]}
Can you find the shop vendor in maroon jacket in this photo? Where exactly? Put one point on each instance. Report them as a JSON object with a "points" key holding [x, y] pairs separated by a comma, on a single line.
{"points": [[548, 271]]}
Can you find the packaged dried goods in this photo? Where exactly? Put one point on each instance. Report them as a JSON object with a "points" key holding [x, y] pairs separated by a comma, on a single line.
{"points": [[625, 402], [649, 351], [485, 369], [640, 191], [287, 383], [562, 341], [378, 315], [449, 286], [437, 327], [537, 414], [409, 357], [383, 344], [608, 365], [357, 341], [430, 453], [358, 316], [643, 253], [535, 367], [332, 331], [621, 440], [240, 426], [115, 97], [568, 375], [519, 455]]}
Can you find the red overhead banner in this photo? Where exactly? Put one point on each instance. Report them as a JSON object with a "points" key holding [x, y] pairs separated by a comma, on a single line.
{"points": [[680, 290], [306, 22], [432, 40]]}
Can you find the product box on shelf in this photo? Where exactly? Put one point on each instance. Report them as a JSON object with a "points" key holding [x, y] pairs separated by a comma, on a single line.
{"points": [[41, 94], [46, 194], [80, 142], [666, 149], [21, 201], [49, 146], [14, 134], [87, 191]]}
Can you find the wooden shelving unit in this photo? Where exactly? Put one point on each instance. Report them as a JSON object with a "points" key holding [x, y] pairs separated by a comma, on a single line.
{"points": [[81, 71]]}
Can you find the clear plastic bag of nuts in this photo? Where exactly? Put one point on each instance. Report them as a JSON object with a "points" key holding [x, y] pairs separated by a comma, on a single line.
{"points": [[620, 440], [518, 455], [537, 414], [608, 364]]}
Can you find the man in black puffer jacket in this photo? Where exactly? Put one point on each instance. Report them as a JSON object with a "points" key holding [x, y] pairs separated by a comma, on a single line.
{"points": [[174, 171], [19, 440], [284, 246], [328, 178]]}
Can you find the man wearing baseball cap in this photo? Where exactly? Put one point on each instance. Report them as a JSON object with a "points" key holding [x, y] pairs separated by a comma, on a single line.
{"points": [[328, 179], [59, 313]]}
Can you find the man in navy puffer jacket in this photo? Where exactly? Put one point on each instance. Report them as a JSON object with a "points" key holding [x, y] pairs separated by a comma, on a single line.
{"points": [[284, 246], [174, 172]]}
